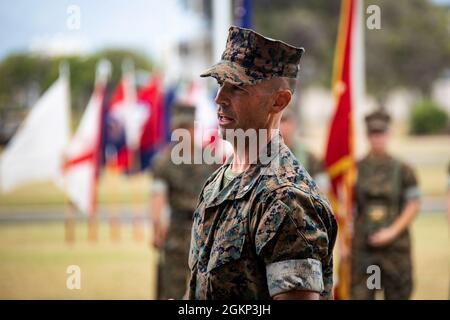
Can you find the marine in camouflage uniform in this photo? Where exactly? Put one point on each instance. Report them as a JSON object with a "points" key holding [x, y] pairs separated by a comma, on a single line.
{"points": [[181, 183], [385, 187], [267, 231]]}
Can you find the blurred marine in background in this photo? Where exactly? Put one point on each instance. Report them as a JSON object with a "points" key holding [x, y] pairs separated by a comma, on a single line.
{"points": [[387, 200], [177, 185], [313, 165]]}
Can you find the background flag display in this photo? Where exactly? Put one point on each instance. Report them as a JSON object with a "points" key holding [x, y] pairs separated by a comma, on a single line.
{"points": [[154, 130], [120, 134], [136, 124], [83, 155], [35, 153]]}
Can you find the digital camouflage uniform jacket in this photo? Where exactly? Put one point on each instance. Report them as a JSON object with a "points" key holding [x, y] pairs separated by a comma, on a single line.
{"points": [[267, 232]]}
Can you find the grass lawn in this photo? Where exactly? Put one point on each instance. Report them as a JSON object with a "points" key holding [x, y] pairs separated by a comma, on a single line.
{"points": [[431, 245], [34, 259], [113, 188]]}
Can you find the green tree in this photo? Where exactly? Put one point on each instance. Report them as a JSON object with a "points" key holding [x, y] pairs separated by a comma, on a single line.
{"points": [[428, 118], [20, 72], [410, 50], [311, 24]]}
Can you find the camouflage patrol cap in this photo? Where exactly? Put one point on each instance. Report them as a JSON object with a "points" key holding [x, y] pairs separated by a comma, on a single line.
{"points": [[183, 115], [377, 121], [250, 58]]}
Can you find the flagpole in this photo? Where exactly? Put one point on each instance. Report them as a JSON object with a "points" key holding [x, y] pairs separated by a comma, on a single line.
{"points": [[244, 13], [134, 161], [220, 24], [69, 224], [69, 219], [69, 213], [138, 231], [339, 157], [103, 74], [114, 222], [358, 74], [138, 219]]}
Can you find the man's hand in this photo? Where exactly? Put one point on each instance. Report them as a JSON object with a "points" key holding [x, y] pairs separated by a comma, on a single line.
{"points": [[382, 237], [297, 295], [387, 235]]}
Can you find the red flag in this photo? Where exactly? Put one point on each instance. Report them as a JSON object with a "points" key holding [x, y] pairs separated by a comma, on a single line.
{"points": [[339, 156], [153, 133], [135, 124]]}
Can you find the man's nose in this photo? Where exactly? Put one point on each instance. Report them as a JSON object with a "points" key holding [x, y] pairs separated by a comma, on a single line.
{"points": [[220, 98]]}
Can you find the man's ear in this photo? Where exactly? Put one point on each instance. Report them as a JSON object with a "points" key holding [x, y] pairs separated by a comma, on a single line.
{"points": [[282, 100]]}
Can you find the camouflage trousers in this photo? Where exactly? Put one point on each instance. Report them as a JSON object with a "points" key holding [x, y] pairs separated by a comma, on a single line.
{"points": [[173, 269], [395, 274]]}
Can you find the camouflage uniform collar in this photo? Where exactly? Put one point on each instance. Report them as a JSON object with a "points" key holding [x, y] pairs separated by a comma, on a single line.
{"points": [[271, 150], [378, 157], [244, 182]]}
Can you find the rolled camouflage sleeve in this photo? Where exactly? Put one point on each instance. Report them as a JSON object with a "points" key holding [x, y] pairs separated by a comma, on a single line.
{"points": [[298, 274], [293, 242]]}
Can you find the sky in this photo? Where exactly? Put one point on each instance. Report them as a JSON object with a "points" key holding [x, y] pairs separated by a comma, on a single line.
{"points": [[442, 2], [146, 25], [45, 25]]}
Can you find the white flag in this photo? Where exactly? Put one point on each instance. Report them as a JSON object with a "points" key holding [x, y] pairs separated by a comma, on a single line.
{"points": [[35, 152], [83, 154]]}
